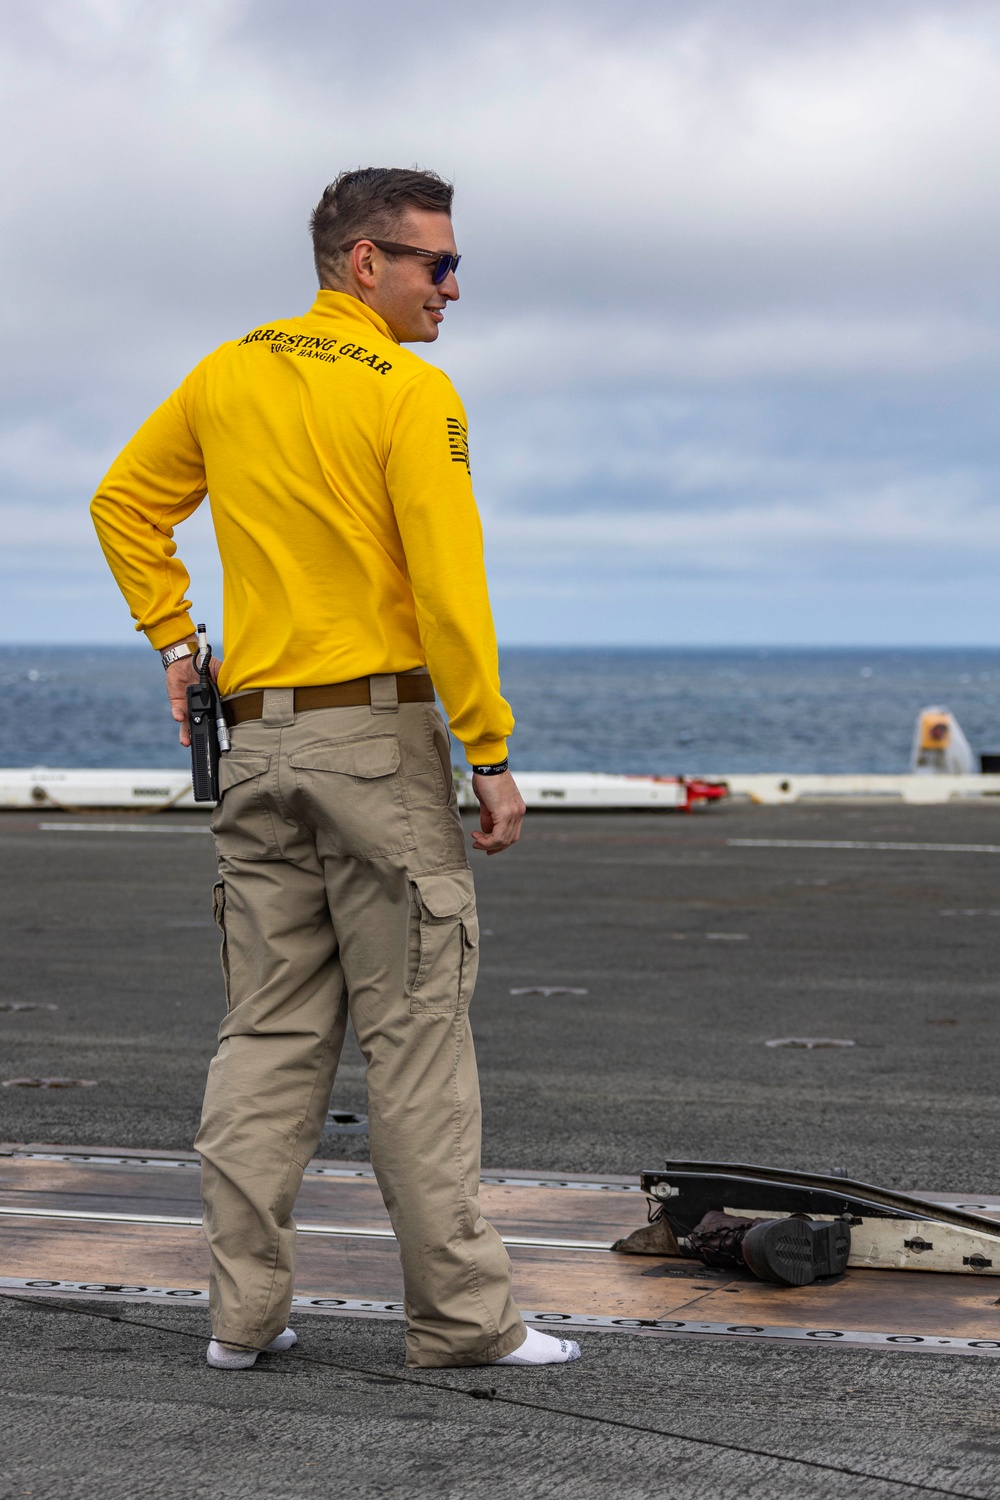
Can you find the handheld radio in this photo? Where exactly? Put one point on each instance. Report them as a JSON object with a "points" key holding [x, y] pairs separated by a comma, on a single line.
{"points": [[209, 731]]}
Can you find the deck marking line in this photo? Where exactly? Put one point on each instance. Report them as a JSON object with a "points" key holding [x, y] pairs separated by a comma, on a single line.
{"points": [[860, 844], [928, 1343], [114, 828], [340, 1231]]}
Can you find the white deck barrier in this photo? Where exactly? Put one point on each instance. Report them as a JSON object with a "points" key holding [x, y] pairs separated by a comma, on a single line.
{"points": [[586, 789], [773, 788], [45, 789]]}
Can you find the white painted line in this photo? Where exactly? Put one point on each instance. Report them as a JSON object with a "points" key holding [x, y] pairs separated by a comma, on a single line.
{"points": [[351, 1306], [93, 1217], [527, 1243], [116, 828], [859, 844], [337, 1231]]}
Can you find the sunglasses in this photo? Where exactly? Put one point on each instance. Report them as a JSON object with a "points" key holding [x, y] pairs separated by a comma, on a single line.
{"points": [[444, 262]]}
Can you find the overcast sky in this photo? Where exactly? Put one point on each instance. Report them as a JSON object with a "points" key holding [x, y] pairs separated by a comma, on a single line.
{"points": [[729, 334]]}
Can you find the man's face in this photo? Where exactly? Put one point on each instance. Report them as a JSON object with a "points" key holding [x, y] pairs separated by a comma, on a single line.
{"points": [[404, 294]]}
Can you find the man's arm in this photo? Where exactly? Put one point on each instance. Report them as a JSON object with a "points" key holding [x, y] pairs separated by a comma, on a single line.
{"points": [[428, 474], [156, 482], [427, 471]]}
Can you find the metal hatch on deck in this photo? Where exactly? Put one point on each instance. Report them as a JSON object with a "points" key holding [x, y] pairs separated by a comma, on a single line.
{"points": [[889, 1230]]}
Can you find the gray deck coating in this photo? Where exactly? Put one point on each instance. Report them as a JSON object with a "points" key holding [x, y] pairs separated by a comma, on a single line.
{"points": [[664, 1055]]}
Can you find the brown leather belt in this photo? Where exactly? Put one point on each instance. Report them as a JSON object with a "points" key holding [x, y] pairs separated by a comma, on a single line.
{"points": [[354, 694]]}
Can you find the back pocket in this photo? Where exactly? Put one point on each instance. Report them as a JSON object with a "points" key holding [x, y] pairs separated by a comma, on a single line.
{"points": [[353, 796], [443, 953]]}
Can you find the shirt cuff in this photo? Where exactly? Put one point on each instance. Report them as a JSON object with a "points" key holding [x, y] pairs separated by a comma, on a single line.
{"points": [[486, 753], [170, 632]]}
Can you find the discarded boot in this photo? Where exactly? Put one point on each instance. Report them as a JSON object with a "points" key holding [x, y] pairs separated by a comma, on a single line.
{"points": [[795, 1251], [792, 1252], [718, 1239]]}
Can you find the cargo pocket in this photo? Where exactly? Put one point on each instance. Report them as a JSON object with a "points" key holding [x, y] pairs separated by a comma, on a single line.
{"points": [[443, 955], [241, 821], [219, 913]]}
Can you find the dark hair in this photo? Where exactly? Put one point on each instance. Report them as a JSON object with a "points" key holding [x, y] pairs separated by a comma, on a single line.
{"points": [[370, 201]]}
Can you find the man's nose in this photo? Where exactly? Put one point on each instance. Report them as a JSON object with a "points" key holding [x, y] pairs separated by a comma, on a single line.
{"points": [[449, 287]]}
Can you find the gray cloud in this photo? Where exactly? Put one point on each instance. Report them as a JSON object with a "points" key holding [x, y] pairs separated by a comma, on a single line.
{"points": [[729, 317]]}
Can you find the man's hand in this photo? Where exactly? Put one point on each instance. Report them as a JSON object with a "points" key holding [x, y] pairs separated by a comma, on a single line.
{"points": [[180, 676], [501, 812]]}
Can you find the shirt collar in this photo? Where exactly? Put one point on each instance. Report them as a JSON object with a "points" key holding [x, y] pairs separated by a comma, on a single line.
{"points": [[340, 305]]}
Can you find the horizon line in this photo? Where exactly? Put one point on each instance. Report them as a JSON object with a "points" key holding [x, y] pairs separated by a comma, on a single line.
{"points": [[140, 646]]}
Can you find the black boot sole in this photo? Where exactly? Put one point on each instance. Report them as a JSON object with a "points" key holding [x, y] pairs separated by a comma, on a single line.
{"points": [[795, 1251]]}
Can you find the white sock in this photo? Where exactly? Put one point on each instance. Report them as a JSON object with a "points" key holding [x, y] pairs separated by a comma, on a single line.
{"points": [[541, 1349], [224, 1357], [282, 1342]]}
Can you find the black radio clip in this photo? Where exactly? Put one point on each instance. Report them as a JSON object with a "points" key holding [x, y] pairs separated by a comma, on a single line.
{"points": [[207, 723]]}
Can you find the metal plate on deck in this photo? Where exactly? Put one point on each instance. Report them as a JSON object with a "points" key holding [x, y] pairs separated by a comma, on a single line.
{"points": [[889, 1230], [352, 1267]]}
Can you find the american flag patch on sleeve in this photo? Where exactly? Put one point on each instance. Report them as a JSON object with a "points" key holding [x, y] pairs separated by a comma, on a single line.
{"points": [[458, 442]]}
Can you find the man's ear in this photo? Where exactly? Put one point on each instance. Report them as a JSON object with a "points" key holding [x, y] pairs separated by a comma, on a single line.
{"points": [[363, 261]]}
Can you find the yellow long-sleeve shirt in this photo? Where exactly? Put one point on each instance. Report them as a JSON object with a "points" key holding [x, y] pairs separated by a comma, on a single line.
{"points": [[337, 468]]}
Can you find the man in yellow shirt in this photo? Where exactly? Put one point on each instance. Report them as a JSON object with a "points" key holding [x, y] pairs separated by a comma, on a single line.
{"points": [[337, 467]]}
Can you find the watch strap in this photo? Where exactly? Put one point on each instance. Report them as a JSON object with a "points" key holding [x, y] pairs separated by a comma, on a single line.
{"points": [[177, 652]]}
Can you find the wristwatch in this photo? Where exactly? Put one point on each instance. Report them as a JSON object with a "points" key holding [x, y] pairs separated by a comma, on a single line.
{"points": [[177, 652]]}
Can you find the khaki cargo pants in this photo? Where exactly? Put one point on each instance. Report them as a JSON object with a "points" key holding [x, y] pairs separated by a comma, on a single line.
{"points": [[345, 888]]}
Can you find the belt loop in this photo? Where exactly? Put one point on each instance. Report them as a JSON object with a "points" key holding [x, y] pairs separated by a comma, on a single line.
{"points": [[384, 694], [279, 707]]}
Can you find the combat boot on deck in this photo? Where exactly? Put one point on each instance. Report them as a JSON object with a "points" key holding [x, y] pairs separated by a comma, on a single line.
{"points": [[792, 1252]]}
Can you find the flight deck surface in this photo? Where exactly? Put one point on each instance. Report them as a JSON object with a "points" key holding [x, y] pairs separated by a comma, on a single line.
{"points": [[696, 940]]}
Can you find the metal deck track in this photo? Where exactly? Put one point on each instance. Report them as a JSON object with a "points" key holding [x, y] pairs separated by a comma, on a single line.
{"points": [[123, 1226]]}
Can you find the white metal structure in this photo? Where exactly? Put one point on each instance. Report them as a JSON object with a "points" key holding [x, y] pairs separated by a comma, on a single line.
{"points": [[586, 789], [773, 788], [45, 789]]}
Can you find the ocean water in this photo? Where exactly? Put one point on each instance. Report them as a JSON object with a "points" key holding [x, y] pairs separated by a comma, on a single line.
{"points": [[660, 711]]}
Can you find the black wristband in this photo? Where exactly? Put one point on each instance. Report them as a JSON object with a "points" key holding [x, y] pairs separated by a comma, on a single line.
{"points": [[496, 770]]}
